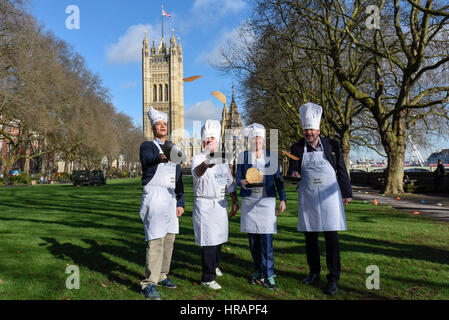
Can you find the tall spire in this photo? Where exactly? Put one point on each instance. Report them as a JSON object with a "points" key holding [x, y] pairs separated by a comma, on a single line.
{"points": [[172, 39], [145, 40]]}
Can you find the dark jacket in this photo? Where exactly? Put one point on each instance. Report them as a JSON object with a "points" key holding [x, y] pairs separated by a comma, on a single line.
{"points": [[149, 158], [439, 172], [273, 183], [333, 154]]}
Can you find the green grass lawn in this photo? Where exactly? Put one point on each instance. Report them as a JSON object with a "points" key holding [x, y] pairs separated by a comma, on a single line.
{"points": [[43, 229]]}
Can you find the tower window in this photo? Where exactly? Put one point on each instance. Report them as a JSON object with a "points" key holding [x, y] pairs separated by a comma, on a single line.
{"points": [[154, 93], [166, 92], [160, 92]]}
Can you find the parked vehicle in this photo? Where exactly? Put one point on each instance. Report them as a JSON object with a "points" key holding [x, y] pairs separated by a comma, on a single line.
{"points": [[88, 178]]}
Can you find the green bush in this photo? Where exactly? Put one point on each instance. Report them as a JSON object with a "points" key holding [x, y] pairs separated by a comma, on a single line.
{"points": [[23, 178], [64, 177], [124, 174]]}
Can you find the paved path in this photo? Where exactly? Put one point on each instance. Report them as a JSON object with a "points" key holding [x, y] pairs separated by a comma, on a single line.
{"points": [[432, 206]]}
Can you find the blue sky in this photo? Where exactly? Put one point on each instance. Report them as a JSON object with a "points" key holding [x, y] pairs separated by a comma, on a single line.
{"points": [[110, 39]]}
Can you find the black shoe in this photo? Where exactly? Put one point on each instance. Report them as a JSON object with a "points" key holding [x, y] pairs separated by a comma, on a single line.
{"points": [[311, 278], [331, 288], [270, 284]]}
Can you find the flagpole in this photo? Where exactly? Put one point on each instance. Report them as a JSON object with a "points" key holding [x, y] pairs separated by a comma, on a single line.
{"points": [[162, 22]]}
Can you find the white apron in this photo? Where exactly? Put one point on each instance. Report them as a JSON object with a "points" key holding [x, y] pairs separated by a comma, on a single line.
{"points": [[258, 212], [210, 214], [320, 205], [158, 206]]}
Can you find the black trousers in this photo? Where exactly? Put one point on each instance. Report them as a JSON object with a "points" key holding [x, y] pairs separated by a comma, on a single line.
{"points": [[332, 254], [210, 258]]}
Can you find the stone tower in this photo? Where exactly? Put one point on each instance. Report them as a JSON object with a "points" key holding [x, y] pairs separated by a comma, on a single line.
{"points": [[163, 86], [232, 131]]}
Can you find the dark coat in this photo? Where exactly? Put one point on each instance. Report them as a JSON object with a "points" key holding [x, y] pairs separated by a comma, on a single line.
{"points": [[273, 183], [440, 171], [333, 154], [149, 159]]}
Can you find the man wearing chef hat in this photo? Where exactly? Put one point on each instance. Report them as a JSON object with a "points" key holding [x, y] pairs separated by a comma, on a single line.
{"points": [[258, 213], [162, 204], [323, 192], [211, 182]]}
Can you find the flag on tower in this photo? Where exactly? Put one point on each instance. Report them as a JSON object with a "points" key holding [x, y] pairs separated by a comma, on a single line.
{"points": [[165, 13]]}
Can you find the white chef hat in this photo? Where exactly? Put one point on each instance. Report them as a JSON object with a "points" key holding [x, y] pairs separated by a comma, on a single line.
{"points": [[212, 128], [254, 130], [156, 116], [310, 116]]}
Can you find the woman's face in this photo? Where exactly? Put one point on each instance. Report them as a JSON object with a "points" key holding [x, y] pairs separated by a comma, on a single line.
{"points": [[257, 143]]}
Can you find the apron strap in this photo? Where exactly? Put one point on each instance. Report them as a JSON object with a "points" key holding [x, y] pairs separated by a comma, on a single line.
{"points": [[158, 146]]}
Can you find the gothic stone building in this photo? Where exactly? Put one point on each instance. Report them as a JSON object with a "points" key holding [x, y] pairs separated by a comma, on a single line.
{"points": [[162, 84]]}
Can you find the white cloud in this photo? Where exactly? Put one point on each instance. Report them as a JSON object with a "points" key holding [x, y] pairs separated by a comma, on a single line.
{"points": [[129, 46], [201, 111]]}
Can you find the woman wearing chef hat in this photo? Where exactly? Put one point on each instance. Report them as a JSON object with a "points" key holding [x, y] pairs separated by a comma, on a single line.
{"points": [[162, 205], [258, 212], [323, 192], [211, 182]]}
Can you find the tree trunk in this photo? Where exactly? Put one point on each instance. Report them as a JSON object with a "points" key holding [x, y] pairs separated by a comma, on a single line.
{"points": [[27, 161], [394, 175], [346, 149]]}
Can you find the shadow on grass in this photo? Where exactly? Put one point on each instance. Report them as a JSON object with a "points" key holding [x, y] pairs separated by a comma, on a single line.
{"points": [[93, 258]]}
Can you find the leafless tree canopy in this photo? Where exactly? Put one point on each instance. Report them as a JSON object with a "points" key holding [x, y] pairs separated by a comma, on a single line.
{"points": [[51, 106], [378, 83]]}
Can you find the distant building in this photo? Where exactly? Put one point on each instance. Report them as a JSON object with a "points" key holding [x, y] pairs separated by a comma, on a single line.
{"points": [[232, 131], [435, 156]]}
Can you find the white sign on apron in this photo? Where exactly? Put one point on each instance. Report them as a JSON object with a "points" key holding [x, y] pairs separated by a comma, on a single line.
{"points": [[210, 206], [320, 205], [158, 206], [258, 212]]}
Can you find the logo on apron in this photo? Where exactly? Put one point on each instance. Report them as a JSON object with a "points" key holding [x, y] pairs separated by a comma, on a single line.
{"points": [[222, 181]]}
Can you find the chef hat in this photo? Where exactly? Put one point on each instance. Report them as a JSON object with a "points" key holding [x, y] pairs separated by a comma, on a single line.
{"points": [[156, 116], [310, 116], [212, 128], [254, 130]]}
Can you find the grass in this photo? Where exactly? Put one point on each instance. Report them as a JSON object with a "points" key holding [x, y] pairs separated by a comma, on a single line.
{"points": [[45, 228]]}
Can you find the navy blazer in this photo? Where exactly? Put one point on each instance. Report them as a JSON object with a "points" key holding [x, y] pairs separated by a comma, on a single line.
{"points": [[333, 154], [273, 183], [149, 158]]}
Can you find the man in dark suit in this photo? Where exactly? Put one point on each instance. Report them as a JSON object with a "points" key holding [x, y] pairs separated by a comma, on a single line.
{"points": [[439, 173], [323, 192]]}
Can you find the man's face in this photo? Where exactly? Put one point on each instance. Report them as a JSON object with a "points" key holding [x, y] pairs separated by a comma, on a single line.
{"points": [[160, 129], [212, 142], [311, 135]]}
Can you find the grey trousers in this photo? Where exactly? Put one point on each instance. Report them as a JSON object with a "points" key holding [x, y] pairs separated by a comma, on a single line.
{"points": [[158, 259]]}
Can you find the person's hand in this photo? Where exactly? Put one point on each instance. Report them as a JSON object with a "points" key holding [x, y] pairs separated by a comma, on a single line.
{"points": [[179, 211], [244, 182], [235, 208], [163, 158], [209, 148], [296, 174], [282, 207], [346, 201]]}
